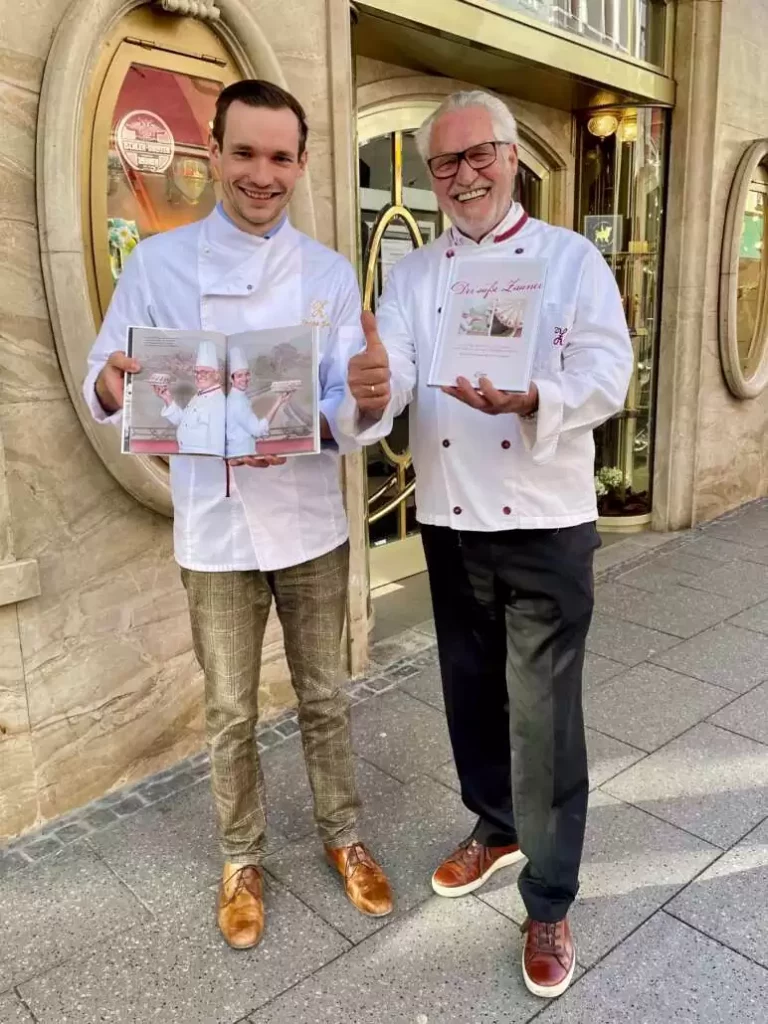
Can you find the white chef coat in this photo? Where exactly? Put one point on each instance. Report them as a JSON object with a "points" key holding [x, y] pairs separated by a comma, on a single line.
{"points": [[243, 425], [210, 275], [481, 472], [201, 422]]}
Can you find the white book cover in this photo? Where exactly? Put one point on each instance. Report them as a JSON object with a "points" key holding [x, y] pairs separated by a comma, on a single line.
{"points": [[203, 393], [489, 320]]}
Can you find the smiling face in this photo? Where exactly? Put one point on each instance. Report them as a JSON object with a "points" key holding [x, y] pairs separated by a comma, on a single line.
{"points": [[258, 164], [206, 379], [474, 200], [241, 379]]}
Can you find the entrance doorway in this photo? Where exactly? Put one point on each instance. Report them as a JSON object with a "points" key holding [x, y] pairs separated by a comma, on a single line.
{"points": [[398, 212]]}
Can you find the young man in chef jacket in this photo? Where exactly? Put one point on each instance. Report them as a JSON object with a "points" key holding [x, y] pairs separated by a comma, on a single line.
{"points": [[244, 427], [506, 501], [279, 531], [200, 423]]}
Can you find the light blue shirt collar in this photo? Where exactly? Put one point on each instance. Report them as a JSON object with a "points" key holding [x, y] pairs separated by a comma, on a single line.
{"points": [[269, 234]]}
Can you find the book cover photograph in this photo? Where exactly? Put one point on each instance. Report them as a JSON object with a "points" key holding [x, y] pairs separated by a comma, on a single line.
{"points": [[489, 322], [203, 393]]}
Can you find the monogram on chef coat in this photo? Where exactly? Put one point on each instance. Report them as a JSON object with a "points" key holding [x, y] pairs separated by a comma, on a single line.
{"points": [[210, 275], [496, 473]]}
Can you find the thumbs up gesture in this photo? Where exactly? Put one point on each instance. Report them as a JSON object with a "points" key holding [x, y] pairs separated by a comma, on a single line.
{"points": [[368, 373]]}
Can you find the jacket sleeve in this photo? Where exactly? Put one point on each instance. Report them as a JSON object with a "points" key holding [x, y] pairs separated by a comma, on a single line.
{"points": [[129, 308], [345, 337], [173, 413], [596, 368], [396, 333]]}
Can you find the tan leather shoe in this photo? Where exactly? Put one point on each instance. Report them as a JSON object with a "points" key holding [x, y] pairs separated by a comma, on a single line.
{"points": [[549, 958], [471, 866], [365, 883], [241, 908]]}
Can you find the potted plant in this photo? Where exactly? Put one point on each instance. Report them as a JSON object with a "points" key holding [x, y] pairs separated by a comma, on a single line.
{"points": [[621, 510]]}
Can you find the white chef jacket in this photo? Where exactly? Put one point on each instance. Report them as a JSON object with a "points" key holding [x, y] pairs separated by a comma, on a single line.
{"points": [[201, 423], [243, 425], [210, 275], [481, 472]]}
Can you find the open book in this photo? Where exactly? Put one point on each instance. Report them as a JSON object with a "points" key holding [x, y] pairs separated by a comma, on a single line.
{"points": [[489, 320], [203, 393]]}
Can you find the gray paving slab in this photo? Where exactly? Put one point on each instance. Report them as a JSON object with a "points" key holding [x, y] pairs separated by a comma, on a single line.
{"points": [[168, 852], [13, 1011], [428, 627], [447, 962], [718, 550], [597, 669], [748, 715], [755, 618], [632, 865], [59, 909], [666, 972], [725, 655], [625, 641], [178, 968], [743, 581], [410, 830], [427, 686], [656, 575], [403, 645], [680, 611], [752, 534], [446, 775], [709, 781], [607, 757], [728, 900], [683, 561], [401, 735], [649, 705]]}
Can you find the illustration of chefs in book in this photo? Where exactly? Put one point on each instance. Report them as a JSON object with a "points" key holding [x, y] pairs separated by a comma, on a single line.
{"points": [[200, 424], [244, 427]]}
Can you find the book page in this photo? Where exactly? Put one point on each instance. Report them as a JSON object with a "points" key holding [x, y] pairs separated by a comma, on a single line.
{"points": [[489, 321], [272, 401], [176, 405]]}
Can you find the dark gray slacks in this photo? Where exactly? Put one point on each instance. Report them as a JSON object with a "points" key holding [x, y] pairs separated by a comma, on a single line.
{"points": [[512, 611]]}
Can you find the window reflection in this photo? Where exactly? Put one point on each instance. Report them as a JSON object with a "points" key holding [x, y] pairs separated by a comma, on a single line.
{"points": [[159, 176]]}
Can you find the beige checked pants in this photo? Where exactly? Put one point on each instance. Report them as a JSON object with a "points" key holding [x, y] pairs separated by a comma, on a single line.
{"points": [[229, 611]]}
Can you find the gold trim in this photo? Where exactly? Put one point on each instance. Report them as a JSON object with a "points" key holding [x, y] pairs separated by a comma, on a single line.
{"points": [[483, 26], [385, 218], [742, 385]]}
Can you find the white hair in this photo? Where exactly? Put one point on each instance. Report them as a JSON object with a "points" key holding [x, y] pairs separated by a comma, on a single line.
{"points": [[502, 118]]}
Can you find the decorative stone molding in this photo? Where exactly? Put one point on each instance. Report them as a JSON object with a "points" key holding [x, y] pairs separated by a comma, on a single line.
{"points": [[752, 380], [64, 248], [193, 8]]}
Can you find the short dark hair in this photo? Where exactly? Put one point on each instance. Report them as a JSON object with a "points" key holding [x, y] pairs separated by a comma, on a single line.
{"points": [[255, 92]]}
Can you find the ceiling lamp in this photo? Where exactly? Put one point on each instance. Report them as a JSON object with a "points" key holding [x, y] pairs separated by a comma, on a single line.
{"points": [[603, 125], [628, 129]]}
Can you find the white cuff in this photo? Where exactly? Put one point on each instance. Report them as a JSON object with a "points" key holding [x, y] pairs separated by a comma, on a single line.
{"points": [[346, 443], [541, 431], [95, 407], [363, 430]]}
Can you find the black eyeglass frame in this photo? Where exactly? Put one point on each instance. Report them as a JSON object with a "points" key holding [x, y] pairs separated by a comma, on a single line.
{"points": [[462, 156]]}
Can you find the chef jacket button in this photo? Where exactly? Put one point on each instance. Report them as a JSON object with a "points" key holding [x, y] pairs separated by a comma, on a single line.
{"points": [[446, 443], [450, 253], [507, 510], [456, 510], [506, 444], [439, 310], [519, 251], [249, 287]]}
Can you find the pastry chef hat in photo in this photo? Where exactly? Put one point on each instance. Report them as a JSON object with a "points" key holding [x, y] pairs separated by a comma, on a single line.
{"points": [[206, 356], [237, 361]]}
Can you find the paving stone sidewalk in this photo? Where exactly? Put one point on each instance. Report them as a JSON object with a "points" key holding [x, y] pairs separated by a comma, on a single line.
{"points": [[107, 915]]}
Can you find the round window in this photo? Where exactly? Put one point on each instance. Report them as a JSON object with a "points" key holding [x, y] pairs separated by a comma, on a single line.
{"points": [[744, 278]]}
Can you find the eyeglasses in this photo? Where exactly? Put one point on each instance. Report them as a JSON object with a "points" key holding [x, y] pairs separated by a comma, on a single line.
{"points": [[447, 165]]}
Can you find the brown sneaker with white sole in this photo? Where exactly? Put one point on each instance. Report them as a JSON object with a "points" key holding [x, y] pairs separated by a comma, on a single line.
{"points": [[471, 866], [549, 957]]}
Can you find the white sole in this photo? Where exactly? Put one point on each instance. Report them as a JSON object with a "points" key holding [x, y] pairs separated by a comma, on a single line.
{"points": [[548, 991], [452, 891]]}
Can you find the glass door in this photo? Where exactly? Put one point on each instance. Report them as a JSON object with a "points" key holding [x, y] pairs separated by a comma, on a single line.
{"points": [[399, 212]]}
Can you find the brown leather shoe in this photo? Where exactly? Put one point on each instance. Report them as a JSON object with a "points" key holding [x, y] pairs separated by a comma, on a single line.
{"points": [[241, 909], [471, 866], [365, 883], [549, 957]]}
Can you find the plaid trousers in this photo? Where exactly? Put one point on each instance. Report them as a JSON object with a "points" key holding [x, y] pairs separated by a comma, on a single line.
{"points": [[228, 612]]}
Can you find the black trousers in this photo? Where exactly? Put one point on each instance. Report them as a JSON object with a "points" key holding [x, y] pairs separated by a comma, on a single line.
{"points": [[512, 611]]}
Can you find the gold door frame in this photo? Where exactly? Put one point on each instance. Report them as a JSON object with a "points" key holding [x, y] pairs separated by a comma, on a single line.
{"points": [[405, 556]]}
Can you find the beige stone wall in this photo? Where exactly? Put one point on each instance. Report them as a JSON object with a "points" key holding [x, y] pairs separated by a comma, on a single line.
{"points": [[711, 448], [98, 683]]}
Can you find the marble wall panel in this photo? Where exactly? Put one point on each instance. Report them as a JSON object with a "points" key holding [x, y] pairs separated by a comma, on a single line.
{"points": [[18, 792]]}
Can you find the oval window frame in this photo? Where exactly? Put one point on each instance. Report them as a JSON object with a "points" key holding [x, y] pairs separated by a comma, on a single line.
{"points": [[743, 386], [68, 85]]}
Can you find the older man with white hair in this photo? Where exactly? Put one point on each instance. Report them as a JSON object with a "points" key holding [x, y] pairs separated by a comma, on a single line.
{"points": [[506, 502]]}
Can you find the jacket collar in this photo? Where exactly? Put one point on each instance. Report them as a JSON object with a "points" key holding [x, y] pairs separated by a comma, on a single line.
{"points": [[513, 222], [231, 261]]}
